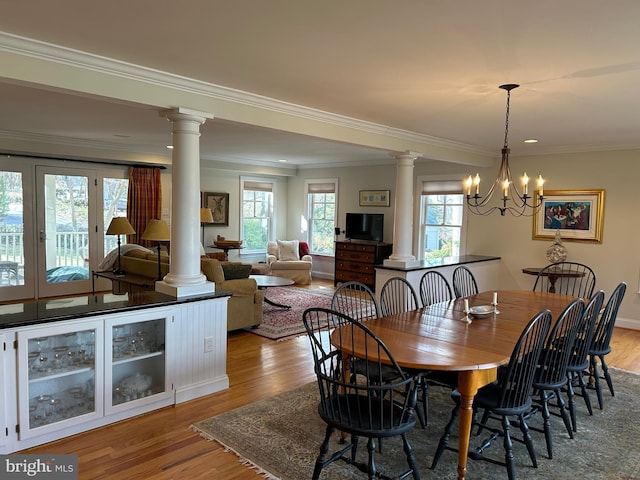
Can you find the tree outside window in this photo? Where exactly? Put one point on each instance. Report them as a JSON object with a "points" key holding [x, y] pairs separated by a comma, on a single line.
{"points": [[442, 222]]}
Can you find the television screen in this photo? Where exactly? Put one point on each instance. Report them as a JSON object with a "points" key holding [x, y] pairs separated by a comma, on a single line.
{"points": [[364, 226]]}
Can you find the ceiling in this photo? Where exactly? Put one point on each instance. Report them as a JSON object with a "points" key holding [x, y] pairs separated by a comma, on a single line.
{"points": [[378, 76]]}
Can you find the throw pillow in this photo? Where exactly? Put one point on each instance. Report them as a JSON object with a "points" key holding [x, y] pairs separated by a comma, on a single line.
{"points": [[272, 249], [232, 272], [288, 250]]}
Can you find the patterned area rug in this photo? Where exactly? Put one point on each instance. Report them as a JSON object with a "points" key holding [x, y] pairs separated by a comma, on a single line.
{"points": [[280, 438], [279, 323]]}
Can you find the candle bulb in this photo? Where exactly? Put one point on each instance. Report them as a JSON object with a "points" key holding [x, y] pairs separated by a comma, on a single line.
{"points": [[505, 187], [540, 184], [495, 298], [476, 182], [466, 305], [468, 184], [525, 183]]}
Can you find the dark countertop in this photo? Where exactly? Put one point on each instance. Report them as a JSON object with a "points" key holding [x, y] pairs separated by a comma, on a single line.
{"points": [[443, 262], [69, 308]]}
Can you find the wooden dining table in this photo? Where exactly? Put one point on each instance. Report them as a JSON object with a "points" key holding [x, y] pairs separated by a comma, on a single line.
{"points": [[442, 337]]}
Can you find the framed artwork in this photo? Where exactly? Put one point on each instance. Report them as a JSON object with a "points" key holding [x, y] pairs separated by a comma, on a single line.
{"points": [[218, 203], [577, 214], [374, 198]]}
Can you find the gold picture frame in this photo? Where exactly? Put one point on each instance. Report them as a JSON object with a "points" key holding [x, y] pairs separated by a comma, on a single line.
{"points": [[218, 203], [577, 214], [374, 198]]}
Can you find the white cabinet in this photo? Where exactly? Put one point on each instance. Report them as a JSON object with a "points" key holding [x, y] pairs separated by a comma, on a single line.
{"points": [[136, 373], [60, 377]]}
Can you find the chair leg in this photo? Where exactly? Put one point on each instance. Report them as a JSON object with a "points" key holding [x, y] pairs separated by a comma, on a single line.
{"points": [[564, 412], [585, 393], [596, 378], [546, 420], [528, 441], [411, 458], [607, 376], [322, 456], [371, 465], [444, 439], [572, 402], [508, 449]]}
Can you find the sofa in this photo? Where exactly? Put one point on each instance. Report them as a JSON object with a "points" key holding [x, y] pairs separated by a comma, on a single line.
{"points": [[290, 259], [244, 309]]}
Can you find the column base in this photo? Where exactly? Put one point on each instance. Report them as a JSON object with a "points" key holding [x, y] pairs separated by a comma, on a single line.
{"points": [[179, 291], [402, 263]]}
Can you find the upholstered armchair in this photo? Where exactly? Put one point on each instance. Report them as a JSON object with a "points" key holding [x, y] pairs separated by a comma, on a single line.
{"points": [[290, 259]]}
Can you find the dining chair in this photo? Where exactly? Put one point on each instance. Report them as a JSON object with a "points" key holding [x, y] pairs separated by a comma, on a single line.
{"points": [[579, 359], [509, 396], [434, 288], [464, 283], [372, 407], [569, 278], [551, 372], [356, 300], [601, 343], [397, 296]]}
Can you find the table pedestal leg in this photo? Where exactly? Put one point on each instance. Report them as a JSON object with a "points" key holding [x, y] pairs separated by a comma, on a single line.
{"points": [[468, 384]]}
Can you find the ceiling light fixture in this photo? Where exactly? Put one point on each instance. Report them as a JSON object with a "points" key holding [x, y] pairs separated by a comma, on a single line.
{"points": [[521, 201]]}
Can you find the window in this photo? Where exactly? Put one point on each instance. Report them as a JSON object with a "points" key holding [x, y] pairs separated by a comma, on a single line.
{"points": [[321, 211], [441, 219], [257, 213], [114, 194]]}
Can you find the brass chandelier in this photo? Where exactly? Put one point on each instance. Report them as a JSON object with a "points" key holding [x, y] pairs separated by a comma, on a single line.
{"points": [[513, 201]]}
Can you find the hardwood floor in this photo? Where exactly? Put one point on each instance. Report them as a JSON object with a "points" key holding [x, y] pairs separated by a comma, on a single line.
{"points": [[160, 445]]}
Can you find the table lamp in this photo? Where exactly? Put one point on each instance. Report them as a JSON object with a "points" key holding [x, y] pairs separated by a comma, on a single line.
{"points": [[120, 226], [205, 217], [157, 231]]}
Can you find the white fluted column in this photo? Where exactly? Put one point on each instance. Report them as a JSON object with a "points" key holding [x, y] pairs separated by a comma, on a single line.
{"points": [[403, 216], [185, 277]]}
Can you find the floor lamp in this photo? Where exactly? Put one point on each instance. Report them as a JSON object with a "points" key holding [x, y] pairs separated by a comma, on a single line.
{"points": [[120, 226], [157, 231], [205, 217]]}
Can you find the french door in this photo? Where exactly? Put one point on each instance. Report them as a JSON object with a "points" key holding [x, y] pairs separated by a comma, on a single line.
{"points": [[52, 223]]}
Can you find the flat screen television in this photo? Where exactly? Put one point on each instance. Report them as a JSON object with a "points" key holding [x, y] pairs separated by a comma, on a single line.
{"points": [[364, 226]]}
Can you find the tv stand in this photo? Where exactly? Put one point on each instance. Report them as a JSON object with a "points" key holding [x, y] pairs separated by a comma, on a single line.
{"points": [[355, 260]]}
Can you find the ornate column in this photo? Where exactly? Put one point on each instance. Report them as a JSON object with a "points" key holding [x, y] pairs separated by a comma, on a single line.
{"points": [[403, 215], [185, 277]]}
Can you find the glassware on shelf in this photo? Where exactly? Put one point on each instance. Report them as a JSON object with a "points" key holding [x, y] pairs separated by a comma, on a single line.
{"points": [[118, 346]]}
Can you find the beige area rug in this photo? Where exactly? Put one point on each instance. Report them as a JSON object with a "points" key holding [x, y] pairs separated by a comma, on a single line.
{"points": [[280, 438]]}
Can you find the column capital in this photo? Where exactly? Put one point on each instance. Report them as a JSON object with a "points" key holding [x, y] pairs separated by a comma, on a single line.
{"points": [[406, 155], [181, 113]]}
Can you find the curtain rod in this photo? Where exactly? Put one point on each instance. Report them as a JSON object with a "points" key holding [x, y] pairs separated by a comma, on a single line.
{"points": [[100, 162]]}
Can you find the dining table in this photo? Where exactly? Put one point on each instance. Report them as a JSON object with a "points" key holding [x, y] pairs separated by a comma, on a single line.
{"points": [[443, 337]]}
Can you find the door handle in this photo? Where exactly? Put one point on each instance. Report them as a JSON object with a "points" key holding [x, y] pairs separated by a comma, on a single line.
{"points": [[43, 237]]}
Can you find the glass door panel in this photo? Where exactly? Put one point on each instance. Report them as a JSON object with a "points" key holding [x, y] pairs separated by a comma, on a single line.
{"points": [[65, 214]]}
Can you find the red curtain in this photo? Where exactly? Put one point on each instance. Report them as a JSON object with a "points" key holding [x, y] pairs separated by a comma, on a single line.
{"points": [[144, 201]]}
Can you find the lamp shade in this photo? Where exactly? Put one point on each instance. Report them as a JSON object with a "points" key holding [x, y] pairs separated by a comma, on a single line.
{"points": [[120, 226], [206, 216], [156, 230]]}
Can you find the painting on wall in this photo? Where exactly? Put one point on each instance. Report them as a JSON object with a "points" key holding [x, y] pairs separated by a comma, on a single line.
{"points": [[374, 198], [218, 203], [577, 214]]}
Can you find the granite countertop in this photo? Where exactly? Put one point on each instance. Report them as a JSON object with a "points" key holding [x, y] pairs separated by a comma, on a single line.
{"points": [[443, 262], [69, 308]]}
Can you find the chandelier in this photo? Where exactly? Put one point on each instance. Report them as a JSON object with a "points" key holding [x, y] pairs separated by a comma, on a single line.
{"points": [[513, 201]]}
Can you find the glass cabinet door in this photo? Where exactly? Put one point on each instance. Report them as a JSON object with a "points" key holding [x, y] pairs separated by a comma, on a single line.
{"points": [[137, 372], [59, 376]]}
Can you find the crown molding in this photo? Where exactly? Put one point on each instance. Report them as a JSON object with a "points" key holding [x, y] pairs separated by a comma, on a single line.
{"points": [[66, 56]]}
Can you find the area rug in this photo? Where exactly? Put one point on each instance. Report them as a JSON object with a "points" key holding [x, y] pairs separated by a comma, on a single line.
{"points": [[279, 323], [280, 437]]}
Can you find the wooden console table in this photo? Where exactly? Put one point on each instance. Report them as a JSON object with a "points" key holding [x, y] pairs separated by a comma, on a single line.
{"points": [[553, 275]]}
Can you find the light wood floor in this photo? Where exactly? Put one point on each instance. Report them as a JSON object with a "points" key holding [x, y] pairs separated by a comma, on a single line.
{"points": [[160, 445]]}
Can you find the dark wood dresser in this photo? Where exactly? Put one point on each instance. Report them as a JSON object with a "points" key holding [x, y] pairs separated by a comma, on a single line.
{"points": [[355, 261]]}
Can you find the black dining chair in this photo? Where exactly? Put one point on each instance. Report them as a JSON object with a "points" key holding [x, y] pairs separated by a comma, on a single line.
{"points": [[551, 373], [370, 407], [569, 278], [356, 300], [434, 288], [397, 295], [601, 343], [509, 396], [579, 360], [464, 283]]}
